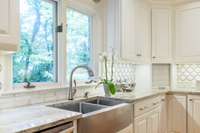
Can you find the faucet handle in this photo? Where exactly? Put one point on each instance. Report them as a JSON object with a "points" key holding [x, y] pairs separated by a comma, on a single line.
{"points": [[74, 90], [86, 94]]}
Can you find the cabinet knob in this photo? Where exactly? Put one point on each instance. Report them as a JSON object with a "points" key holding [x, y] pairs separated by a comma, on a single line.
{"points": [[191, 100], [163, 100], [139, 55], [154, 57], [141, 109]]}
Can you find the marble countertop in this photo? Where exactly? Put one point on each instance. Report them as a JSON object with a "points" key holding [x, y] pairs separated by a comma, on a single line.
{"points": [[139, 95], [33, 118], [37, 117]]}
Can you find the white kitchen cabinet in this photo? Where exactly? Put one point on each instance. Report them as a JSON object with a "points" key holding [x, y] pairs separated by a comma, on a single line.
{"points": [[177, 113], [142, 32], [128, 28], [148, 116], [161, 35], [141, 124], [9, 25], [148, 122], [187, 33], [193, 114]]}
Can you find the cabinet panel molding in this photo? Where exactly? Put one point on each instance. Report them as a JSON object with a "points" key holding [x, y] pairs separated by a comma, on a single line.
{"points": [[9, 25]]}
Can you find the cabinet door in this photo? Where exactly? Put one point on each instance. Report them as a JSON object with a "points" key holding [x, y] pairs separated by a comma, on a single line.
{"points": [[127, 30], [193, 114], [187, 33], [140, 125], [177, 114], [161, 35], [154, 121], [113, 26], [9, 25], [142, 31]]}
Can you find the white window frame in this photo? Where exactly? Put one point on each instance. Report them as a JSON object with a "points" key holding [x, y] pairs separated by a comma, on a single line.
{"points": [[86, 9], [61, 39], [97, 39]]}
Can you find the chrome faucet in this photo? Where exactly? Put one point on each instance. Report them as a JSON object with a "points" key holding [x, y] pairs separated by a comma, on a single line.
{"points": [[71, 90]]}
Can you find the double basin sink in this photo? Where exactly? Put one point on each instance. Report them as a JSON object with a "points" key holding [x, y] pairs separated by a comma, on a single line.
{"points": [[89, 105], [100, 114]]}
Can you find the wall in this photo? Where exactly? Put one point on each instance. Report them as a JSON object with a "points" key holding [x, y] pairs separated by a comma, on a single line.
{"points": [[141, 74], [143, 77]]}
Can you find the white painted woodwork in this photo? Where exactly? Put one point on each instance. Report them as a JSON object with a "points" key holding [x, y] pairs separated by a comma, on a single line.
{"points": [[9, 25], [148, 117], [128, 29], [142, 31], [161, 35], [154, 121], [140, 125], [187, 33], [148, 122], [193, 114], [177, 113]]}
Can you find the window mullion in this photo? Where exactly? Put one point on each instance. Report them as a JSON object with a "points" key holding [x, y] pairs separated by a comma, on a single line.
{"points": [[62, 60]]}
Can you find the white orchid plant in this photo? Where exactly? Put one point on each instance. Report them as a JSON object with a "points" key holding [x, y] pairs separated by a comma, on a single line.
{"points": [[108, 82]]}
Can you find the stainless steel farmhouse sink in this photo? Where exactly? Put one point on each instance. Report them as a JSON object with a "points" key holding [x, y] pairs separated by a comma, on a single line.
{"points": [[100, 114], [81, 107], [105, 101]]}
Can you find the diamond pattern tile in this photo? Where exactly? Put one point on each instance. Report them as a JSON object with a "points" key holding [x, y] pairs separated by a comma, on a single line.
{"points": [[187, 74], [123, 72]]}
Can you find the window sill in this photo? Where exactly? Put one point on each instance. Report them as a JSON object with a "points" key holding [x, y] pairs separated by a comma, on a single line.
{"points": [[21, 90]]}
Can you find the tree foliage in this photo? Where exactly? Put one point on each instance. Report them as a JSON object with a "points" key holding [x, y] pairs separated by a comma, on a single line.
{"points": [[36, 60]]}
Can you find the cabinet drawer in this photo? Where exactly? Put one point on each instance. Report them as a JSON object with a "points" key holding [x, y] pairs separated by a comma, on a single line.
{"points": [[147, 105], [64, 128]]}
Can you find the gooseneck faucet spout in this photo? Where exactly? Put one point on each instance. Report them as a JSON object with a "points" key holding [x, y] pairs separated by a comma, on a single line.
{"points": [[72, 91]]}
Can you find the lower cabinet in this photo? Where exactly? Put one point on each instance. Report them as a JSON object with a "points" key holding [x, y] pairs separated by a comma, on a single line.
{"points": [[177, 114], [150, 116], [193, 114], [149, 122]]}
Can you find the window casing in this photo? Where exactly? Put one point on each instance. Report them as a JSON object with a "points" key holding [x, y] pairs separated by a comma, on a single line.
{"points": [[37, 59], [61, 58], [79, 42]]}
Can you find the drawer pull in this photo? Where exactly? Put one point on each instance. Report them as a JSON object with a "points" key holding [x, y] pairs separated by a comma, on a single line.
{"points": [[143, 108], [191, 100], [155, 103]]}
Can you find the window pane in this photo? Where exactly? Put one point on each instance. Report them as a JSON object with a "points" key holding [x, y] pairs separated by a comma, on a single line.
{"points": [[78, 41], [35, 61]]}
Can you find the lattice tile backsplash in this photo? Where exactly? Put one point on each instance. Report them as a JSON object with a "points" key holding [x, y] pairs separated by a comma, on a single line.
{"points": [[123, 71], [187, 75]]}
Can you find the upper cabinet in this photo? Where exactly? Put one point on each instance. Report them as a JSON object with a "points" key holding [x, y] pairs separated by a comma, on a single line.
{"points": [[188, 33], [9, 25], [161, 35], [128, 25]]}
